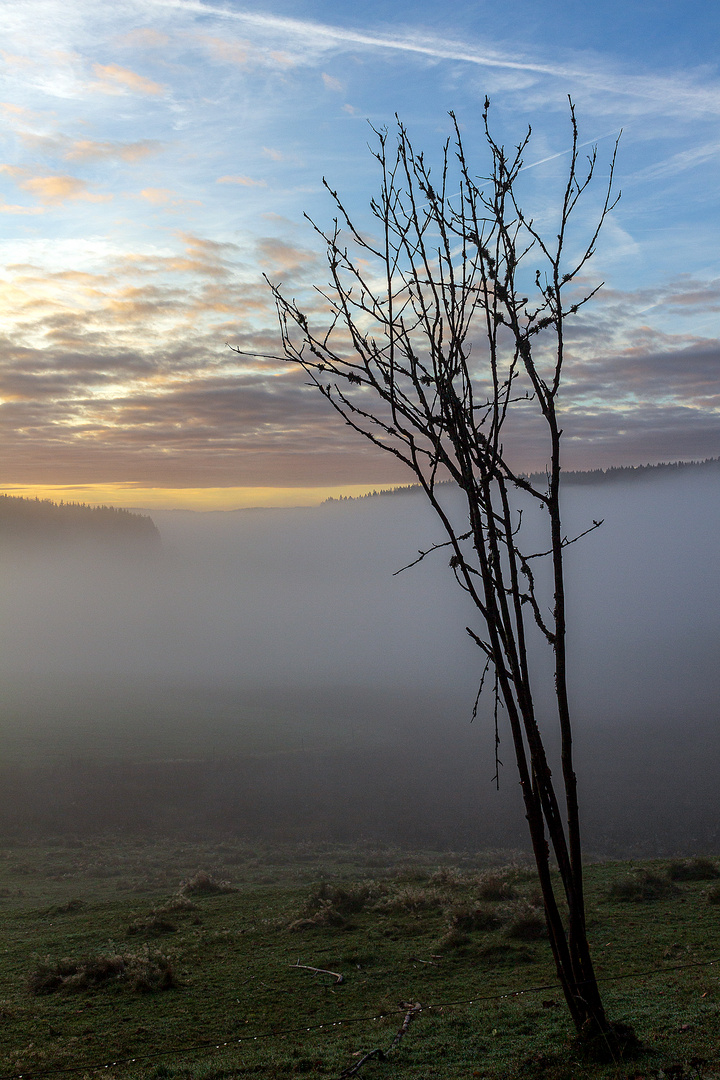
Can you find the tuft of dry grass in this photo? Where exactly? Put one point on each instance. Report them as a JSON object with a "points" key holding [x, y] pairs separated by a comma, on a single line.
{"points": [[325, 916], [448, 877], [412, 898], [470, 917], [698, 869], [154, 926], [453, 938], [177, 905], [330, 905], [525, 922], [143, 972], [68, 908], [204, 884], [640, 886], [495, 885]]}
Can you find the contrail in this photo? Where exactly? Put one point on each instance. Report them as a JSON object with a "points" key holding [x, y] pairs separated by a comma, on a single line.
{"points": [[675, 94]]}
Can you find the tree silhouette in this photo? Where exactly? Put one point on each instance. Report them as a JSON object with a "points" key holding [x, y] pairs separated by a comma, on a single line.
{"points": [[441, 339]]}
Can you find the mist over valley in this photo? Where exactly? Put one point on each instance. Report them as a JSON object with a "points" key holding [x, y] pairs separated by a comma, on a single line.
{"points": [[266, 673]]}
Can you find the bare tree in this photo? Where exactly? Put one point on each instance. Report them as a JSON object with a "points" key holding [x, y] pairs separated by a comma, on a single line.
{"points": [[436, 334]]}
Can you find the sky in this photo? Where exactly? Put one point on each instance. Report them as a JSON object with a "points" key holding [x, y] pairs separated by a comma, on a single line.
{"points": [[158, 158]]}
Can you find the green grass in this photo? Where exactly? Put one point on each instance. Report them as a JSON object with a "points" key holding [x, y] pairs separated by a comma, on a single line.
{"points": [[90, 928]]}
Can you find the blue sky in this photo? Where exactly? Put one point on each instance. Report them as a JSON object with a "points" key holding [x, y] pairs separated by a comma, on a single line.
{"points": [[158, 156]]}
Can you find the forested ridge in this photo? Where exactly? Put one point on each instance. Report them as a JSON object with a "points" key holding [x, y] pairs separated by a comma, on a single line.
{"points": [[44, 521], [612, 474]]}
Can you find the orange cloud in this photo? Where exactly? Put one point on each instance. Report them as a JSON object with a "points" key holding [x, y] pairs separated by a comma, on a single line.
{"points": [[14, 60], [157, 196], [282, 59], [145, 37], [246, 181], [279, 255], [118, 80], [88, 150], [53, 190], [332, 84], [233, 52], [7, 208], [10, 109]]}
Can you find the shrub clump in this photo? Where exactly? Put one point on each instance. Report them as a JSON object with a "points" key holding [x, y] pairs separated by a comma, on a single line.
{"points": [[713, 894], [525, 922], [495, 886], [411, 899], [177, 905], [640, 886], [325, 916], [204, 884], [69, 908], [347, 899], [453, 938], [330, 905], [448, 877], [467, 918], [697, 869], [154, 925], [141, 972]]}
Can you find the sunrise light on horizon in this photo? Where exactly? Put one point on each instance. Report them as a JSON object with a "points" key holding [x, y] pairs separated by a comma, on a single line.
{"points": [[158, 158]]}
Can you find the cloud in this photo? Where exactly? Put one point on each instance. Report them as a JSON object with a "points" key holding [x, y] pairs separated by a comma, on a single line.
{"points": [[62, 146], [332, 84], [9, 208], [124, 375], [280, 257], [654, 367], [240, 52], [132, 152], [114, 79], [276, 155], [674, 94], [679, 163], [144, 37], [228, 52], [53, 190], [18, 112], [245, 181], [158, 196]]}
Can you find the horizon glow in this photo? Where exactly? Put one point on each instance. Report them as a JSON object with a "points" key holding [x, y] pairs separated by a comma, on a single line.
{"points": [[158, 158]]}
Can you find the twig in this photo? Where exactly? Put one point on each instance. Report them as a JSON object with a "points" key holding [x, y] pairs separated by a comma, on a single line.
{"points": [[433, 547], [353, 1069], [412, 1012], [417, 960], [320, 971]]}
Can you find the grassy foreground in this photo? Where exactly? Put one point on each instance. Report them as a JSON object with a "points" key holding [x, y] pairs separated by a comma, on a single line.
{"points": [[111, 966]]}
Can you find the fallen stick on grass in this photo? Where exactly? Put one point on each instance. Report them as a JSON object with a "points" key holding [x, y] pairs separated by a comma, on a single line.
{"points": [[382, 1055], [320, 971]]}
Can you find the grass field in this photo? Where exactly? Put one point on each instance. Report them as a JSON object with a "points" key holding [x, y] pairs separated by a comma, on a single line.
{"points": [[111, 966]]}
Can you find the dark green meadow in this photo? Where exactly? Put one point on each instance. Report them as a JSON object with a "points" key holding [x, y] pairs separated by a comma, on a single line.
{"points": [[112, 966]]}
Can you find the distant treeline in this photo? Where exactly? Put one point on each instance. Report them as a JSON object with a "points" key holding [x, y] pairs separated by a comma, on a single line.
{"points": [[403, 490], [43, 521], [640, 472], [589, 476]]}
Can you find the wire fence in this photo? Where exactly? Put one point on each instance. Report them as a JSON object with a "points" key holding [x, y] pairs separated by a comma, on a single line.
{"points": [[329, 1025]]}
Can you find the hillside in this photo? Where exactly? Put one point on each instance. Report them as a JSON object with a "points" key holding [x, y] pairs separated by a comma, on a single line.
{"points": [[41, 522], [612, 475]]}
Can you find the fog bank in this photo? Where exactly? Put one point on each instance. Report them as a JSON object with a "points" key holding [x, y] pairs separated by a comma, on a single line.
{"points": [[282, 642]]}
